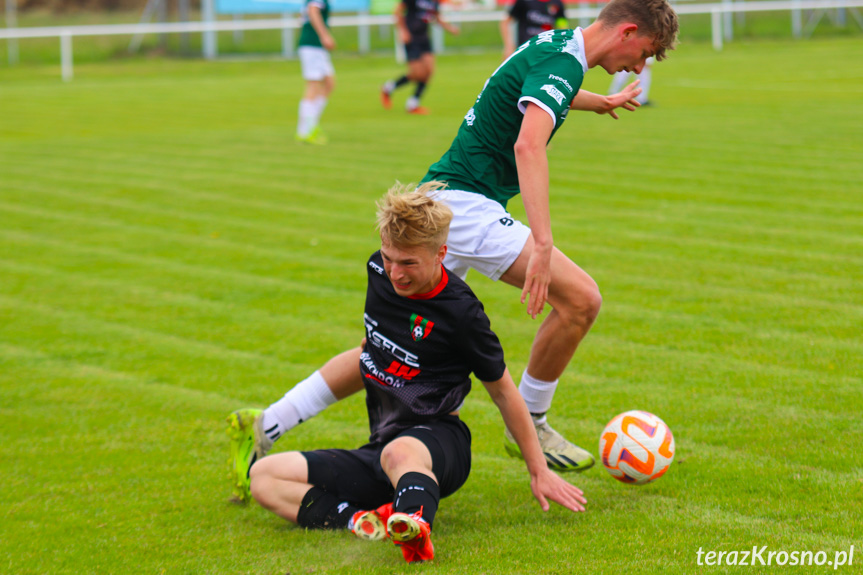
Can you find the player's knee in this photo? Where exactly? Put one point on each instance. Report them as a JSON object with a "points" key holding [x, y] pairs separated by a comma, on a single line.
{"points": [[392, 456], [582, 304], [259, 480], [397, 455]]}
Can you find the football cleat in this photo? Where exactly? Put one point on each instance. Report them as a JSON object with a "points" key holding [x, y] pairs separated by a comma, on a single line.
{"points": [[419, 110], [372, 525], [560, 454], [412, 535], [386, 100], [315, 137], [248, 444]]}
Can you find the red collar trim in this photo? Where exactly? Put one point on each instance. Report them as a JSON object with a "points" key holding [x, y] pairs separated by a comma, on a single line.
{"points": [[438, 288]]}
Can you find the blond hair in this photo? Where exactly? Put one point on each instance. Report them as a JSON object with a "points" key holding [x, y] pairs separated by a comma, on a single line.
{"points": [[653, 17], [410, 216]]}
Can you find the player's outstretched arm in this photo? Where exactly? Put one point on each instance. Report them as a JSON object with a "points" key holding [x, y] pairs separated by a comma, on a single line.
{"points": [[590, 102], [545, 484]]}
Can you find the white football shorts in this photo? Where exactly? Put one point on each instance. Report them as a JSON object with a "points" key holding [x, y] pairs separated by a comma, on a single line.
{"points": [[316, 63], [482, 235]]}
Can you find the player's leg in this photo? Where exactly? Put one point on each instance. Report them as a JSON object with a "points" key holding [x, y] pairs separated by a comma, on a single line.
{"points": [[253, 431], [575, 301], [280, 482], [421, 72], [411, 54], [618, 82], [646, 77], [485, 237], [307, 117], [309, 488], [319, 76], [424, 463], [321, 98]]}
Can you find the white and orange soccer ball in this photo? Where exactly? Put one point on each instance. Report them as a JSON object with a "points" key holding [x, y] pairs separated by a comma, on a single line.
{"points": [[636, 447]]}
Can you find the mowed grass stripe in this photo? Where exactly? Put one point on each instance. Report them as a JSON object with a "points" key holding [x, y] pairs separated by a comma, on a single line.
{"points": [[170, 218], [171, 206], [262, 260], [771, 213], [257, 324], [109, 300], [155, 352], [224, 274]]}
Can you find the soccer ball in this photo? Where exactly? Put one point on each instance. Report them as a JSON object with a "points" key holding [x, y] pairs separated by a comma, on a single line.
{"points": [[636, 447]]}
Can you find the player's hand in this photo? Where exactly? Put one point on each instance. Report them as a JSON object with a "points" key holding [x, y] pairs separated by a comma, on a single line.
{"points": [[328, 42], [536, 281], [625, 99], [405, 36], [548, 485]]}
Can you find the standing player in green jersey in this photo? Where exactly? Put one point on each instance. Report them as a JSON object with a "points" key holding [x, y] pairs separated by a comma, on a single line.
{"points": [[314, 49], [500, 152]]}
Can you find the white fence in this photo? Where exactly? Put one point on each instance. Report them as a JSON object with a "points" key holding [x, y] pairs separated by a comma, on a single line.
{"points": [[720, 13]]}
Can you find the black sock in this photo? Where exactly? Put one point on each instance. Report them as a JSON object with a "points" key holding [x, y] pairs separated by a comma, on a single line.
{"points": [[322, 510], [401, 82], [417, 491], [421, 86]]}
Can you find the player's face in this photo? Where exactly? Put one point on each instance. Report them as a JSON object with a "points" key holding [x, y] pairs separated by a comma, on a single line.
{"points": [[631, 54], [413, 270]]}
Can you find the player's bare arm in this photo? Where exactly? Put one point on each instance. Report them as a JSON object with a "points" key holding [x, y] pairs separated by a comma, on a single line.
{"points": [[452, 29], [506, 36], [317, 22], [401, 25], [591, 102], [532, 163], [544, 483]]}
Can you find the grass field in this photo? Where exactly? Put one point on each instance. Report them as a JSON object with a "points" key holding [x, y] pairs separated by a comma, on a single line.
{"points": [[169, 254]]}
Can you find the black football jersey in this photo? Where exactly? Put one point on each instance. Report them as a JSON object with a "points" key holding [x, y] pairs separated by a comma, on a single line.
{"points": [[535, 16], [421, 350], [418, 15]]}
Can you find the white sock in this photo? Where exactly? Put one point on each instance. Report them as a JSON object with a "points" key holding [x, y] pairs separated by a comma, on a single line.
{"points": [[307, 399], [412, 104], [537, 394], [645, 78], [307, 118], [618, 81], [320, 103]]}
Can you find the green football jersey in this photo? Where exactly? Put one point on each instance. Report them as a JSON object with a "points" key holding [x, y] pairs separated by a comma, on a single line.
{"points": [[308, 35], [547, 70]]}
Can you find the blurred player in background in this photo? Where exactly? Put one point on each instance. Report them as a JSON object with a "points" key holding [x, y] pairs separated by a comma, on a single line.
{"points": [[413, 18], [426, 332], [621, 78], [314, 49], [530, 17]]}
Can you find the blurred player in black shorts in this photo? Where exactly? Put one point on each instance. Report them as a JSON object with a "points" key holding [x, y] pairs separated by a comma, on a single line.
{"points": [[412, 20]]}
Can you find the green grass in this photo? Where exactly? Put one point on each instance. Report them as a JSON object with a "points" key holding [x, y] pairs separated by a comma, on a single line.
{"points": [[168, 254]]}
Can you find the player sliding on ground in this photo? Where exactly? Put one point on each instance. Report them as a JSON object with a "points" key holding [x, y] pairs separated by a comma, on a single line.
{"points": [[426, 332]]}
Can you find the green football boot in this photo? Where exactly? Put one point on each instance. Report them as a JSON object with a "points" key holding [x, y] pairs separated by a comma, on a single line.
{"points": [[316, 137], [248, 444], [560, 454]]}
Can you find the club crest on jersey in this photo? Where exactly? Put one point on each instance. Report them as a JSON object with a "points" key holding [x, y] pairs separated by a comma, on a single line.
{"points": [[420, 327]]}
